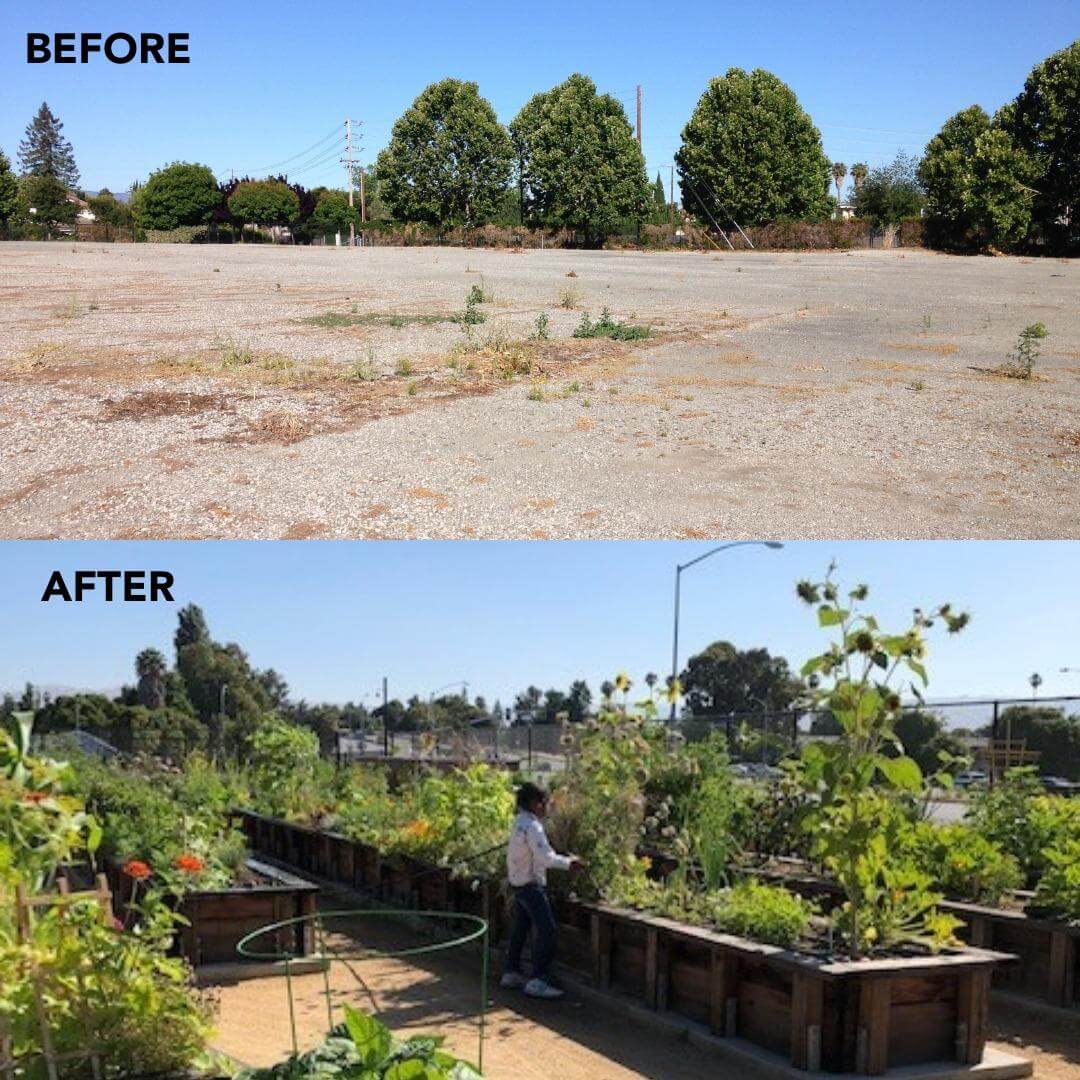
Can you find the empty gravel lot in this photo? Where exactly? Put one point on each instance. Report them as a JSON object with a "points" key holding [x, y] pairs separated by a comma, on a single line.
{"points": [[182, 391]]}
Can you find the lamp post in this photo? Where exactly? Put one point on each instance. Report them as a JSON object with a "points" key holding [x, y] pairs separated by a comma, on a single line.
{"points": [[679, 568]]}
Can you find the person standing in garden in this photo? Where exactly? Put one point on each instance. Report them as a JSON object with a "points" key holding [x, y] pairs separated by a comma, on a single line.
{"points": [[528, 859]]}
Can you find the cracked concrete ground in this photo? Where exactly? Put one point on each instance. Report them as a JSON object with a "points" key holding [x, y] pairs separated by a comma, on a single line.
{"points": [[260, 392]]}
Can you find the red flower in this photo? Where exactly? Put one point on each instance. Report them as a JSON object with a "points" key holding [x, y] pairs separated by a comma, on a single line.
{"points": [[35, 797], [192, 864], [137, 869]]}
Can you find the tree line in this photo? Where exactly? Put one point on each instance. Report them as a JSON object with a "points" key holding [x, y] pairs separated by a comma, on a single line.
{"points": [[749, 154]]}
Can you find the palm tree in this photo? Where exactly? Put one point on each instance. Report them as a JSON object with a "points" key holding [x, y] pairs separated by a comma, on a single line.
{"points": [[650, 681], [859, 172], [839, 171], [607, 688], [150, 668]]}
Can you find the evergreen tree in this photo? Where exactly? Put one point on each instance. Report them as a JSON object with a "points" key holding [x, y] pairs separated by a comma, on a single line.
{"points": [[9, 189], [659, 195], [45, 151]]}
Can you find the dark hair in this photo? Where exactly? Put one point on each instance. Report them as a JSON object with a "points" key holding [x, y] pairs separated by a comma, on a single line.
{"points": [[528, 795]]}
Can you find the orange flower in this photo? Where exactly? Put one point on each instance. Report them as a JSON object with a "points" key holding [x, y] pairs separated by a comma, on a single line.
{"points": [[35, 797], [191, 864], [420, 829], [135, 868]]}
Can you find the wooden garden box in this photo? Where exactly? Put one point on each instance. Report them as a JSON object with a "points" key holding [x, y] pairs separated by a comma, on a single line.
{"points": [[865, 1017], [219, 918]]}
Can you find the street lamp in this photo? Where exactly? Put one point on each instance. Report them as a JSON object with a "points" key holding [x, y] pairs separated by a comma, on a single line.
{"points": [[774, 544]]}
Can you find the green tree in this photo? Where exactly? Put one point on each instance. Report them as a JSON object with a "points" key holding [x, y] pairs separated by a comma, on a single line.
{"points": [[891, 193], [659, 194], [46, 202], [108, 209], [977, 184], [578, 700], [1054, 736], [839, 171], [579, 164], [750, 153], [333, 212], [449, 159], [179, 194], [859, 173], [264, 202], [724, 679], [9, 190], [924, 739], [1044, 121], [150, 667], [45, 152]]}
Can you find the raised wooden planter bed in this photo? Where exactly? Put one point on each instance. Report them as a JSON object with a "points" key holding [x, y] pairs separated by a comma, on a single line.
{"points": [[219, 918], [865, 1016]]}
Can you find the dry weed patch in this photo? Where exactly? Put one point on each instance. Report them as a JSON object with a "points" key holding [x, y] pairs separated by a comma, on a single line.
{"points": [[941, 348]]}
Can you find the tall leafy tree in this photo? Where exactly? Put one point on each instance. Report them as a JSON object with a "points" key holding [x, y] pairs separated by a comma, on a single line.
{"points": [[333, 212], [579, 163], [150, 667], [659, 194], [264, 202], [839, 171], [45, 151], [179, 194], [109, 209], [891, 192], [9, 190], [977, 184], [724, 679], [46, 202], [1044, 121], [449, 160], [751, 153]]}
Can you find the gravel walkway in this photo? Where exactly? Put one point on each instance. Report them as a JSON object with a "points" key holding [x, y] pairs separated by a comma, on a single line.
{"points": [[180, 391]]}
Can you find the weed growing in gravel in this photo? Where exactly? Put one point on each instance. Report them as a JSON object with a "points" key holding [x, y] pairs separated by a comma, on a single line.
{"points": [[536, 391], [607, 327], [479, 293], [411, 389], [363, 369], [234, 355], [403, 366], [916, 385], [568, 297], [471, 315], [1020, 363], [542, 333]]}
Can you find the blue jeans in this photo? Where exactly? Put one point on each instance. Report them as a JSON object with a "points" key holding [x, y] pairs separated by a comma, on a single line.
{"points": [[532, 910]]}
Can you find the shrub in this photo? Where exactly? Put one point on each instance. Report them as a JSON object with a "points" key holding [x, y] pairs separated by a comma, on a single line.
{"points": [[1021, 361], [964, 864], [767, 913], [607, 327], [1058, 892]]}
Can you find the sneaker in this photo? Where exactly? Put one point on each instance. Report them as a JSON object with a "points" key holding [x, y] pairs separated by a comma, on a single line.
{"points": [[513, 980], [537, 988]]}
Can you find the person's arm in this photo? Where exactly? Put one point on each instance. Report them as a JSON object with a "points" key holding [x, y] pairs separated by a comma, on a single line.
{"points": [[543, 853]]}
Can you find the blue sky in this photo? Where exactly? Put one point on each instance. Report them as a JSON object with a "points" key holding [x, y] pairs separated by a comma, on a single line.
{"points": [[335, 617], [269, 80]]}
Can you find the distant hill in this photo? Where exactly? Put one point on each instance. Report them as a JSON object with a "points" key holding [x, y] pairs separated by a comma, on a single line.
{"points": [[119, 196]]}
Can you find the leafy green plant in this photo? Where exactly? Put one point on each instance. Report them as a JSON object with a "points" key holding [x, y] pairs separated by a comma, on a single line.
{"points": [[1058, 891], [767, 913], [963, 863], [542, 333], [857, 821], [1020, 363], [363, 1048], [479, 293], [607, 327], [471, 315]]}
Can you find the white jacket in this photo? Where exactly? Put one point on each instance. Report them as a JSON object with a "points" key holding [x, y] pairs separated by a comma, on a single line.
{"points": [[529, 855]]}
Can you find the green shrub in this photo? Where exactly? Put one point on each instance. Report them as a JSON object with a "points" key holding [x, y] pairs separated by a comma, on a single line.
{"points": [[1058, 892], [607, 327], [767, 913], [964, 864]]}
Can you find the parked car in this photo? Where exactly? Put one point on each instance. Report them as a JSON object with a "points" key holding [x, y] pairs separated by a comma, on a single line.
{"points": [[971, 778], [1059, 785]]}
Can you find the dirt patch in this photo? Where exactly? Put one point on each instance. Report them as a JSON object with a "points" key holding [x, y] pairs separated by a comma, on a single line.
{"points": [[939, 348], [154, 404]]}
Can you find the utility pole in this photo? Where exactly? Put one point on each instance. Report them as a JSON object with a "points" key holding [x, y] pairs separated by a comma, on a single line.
{"points": [[671, 193], [385, 720], [639, 116], [347, 161]]}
